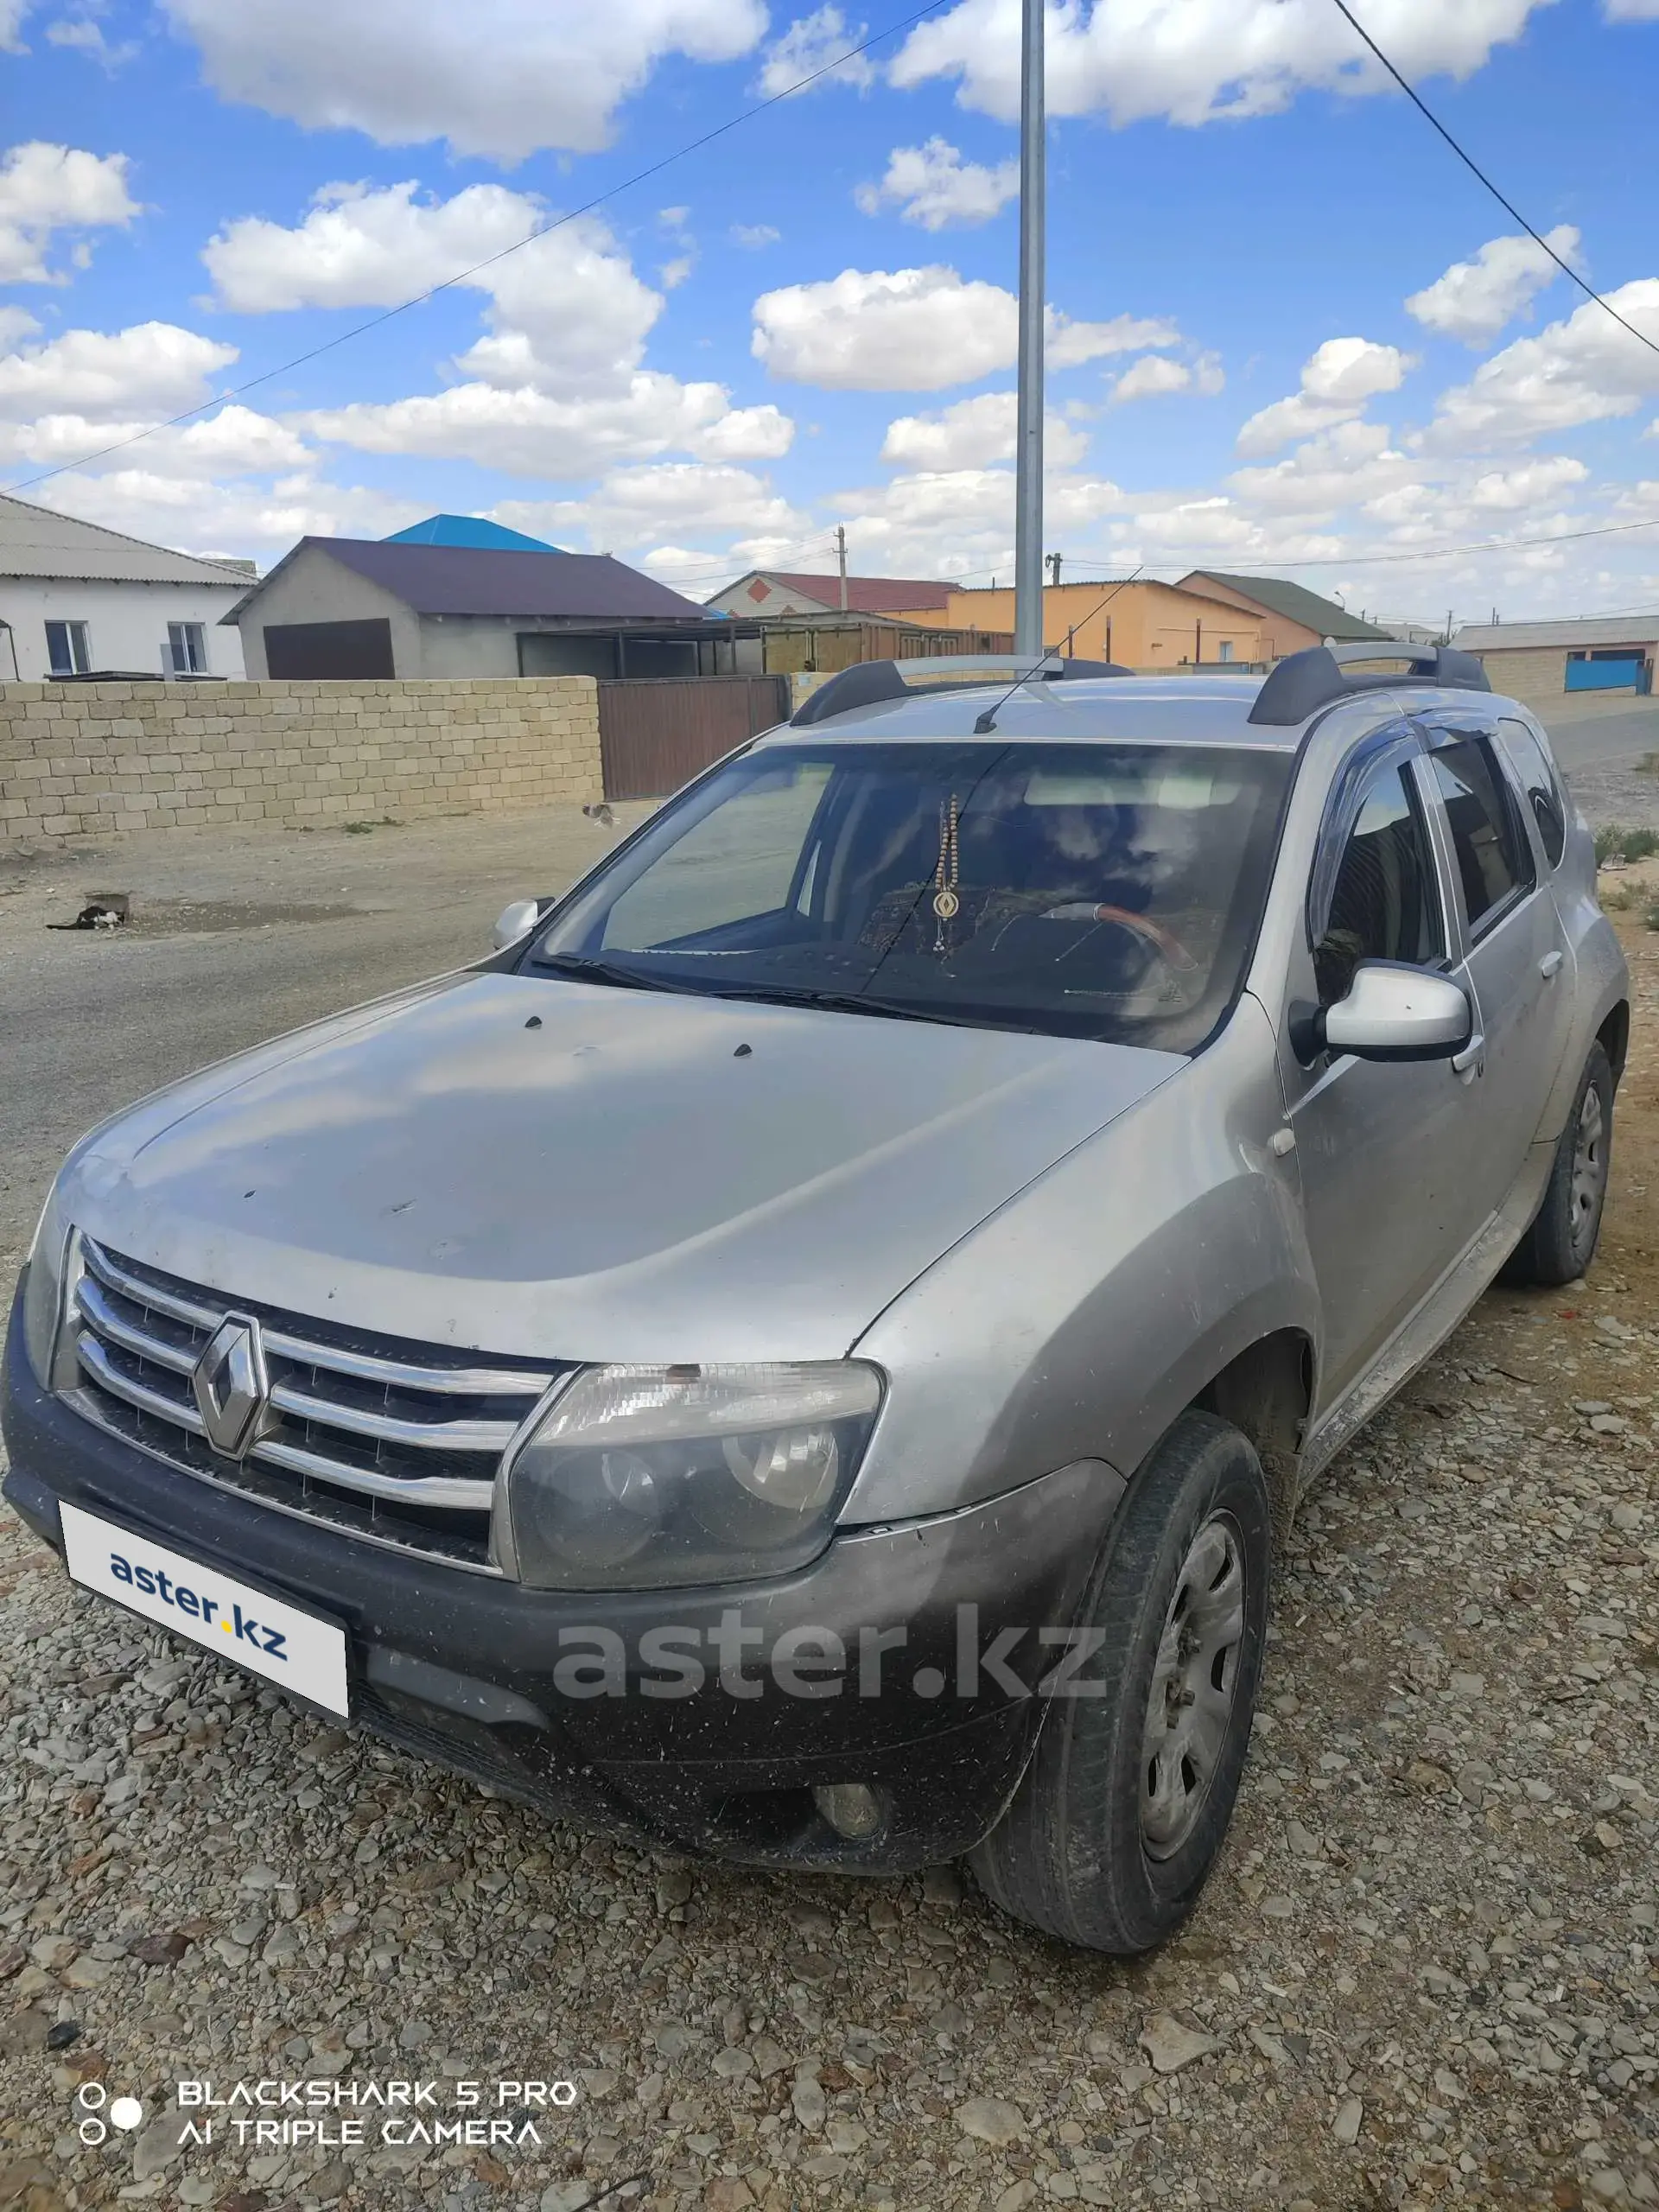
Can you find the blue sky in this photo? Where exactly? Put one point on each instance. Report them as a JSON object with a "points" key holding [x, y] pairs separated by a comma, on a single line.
{"points": [[1289, 329]]}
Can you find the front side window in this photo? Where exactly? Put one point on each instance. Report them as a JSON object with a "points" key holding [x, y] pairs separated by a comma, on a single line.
{"points": [[67, 652], [1107, 891], [1385, 901], [1494, 858], [1537, 773], [187, 646]]}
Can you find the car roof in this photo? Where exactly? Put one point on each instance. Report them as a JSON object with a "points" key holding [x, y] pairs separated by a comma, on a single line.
{"points": [[1148, 710], [1195, 710]]}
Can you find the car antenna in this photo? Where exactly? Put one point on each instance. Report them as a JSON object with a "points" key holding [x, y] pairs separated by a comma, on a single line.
{"points": [[987, 722]]}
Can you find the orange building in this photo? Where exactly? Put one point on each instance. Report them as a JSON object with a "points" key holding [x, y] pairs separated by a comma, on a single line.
{"points": [[1141, 625]]}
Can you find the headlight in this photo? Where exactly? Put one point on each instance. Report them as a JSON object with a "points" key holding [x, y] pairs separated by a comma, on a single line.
{"points": [[44, 1295], [641, 1477]]}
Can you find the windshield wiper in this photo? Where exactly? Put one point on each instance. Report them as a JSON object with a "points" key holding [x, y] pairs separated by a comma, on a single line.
{"points": [[853, 1003], [581, 970]]}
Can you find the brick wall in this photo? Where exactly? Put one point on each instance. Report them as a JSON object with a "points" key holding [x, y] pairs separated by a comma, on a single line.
{"points": [[89, 759], [1536, 677]]}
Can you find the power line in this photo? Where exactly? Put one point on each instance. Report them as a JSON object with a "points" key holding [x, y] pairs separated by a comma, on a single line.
{"points": [[463, 276], [1475, 170], [1441, 552]]}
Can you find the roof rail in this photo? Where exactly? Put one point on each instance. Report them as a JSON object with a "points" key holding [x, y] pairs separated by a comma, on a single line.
{"points": [[869, 683], [1305, 681]]}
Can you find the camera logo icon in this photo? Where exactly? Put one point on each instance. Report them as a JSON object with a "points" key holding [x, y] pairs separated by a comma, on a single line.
{"points": [[100, 2112]]}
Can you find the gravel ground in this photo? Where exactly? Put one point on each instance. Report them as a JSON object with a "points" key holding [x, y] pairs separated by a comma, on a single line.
{"points": [[1426, 1971]]}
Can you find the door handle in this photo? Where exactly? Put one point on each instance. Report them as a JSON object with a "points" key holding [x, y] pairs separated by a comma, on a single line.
{"points": [[1468, 1060], [1549, 965]]}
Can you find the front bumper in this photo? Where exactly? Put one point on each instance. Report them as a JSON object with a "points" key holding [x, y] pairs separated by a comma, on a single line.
{"points": [[558, 1699]]}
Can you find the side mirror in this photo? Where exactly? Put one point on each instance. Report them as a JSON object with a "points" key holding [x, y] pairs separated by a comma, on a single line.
{"points": [[1394, 1012], [515, 921]]}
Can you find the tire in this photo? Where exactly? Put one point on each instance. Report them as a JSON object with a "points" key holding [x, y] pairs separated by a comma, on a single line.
{"points": [[1561, 1241], [1086, 1850]]}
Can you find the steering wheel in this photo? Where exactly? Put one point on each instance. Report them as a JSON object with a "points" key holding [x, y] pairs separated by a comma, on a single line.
{"points": [[1163, 942]]}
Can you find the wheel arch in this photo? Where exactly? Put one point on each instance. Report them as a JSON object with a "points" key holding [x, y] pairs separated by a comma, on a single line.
{"points": [[1614, 1037], [1265, 1391]]}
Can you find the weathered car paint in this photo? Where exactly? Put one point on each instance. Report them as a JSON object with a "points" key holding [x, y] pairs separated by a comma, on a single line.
{"points": [[614, 1184]]}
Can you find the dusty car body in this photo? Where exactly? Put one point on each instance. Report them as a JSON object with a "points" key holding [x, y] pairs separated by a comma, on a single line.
{"points": [[977, 1267]]}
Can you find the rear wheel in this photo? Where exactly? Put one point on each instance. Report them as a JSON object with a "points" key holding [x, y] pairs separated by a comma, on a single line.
{"points": [[1561, 1241], [1113, 1830]]}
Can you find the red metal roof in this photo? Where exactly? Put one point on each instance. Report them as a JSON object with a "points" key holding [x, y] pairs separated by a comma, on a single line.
{"points": [[865, 594]]}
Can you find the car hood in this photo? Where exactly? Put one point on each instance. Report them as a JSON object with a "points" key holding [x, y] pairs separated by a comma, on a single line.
{"points": [[527, 1166]]}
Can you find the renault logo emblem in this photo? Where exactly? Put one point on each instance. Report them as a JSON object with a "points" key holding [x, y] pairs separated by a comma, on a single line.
{"points": [[233, 1387]]}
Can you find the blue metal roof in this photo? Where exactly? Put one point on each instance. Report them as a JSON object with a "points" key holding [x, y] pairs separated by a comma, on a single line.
{"points": [[472, 530]]}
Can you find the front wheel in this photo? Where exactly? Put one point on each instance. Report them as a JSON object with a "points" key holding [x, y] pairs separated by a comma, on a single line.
{"points": [[1561, 1241], [1114, 1830]]}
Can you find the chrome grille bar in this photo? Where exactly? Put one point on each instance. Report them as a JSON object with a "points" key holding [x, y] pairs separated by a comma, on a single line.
{"points": [[386, 1446], [455, 1382]]}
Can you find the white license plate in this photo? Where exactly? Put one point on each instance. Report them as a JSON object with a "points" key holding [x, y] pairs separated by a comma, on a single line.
{"points": [[296, 1649]]}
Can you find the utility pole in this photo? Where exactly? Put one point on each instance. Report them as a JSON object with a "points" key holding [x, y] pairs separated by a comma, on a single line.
{"points": [[1054, 560], [1028, 436], [840, 556]]}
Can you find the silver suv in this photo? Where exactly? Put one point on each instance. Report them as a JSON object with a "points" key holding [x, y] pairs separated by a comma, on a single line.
{"points": [[807, 1355]]}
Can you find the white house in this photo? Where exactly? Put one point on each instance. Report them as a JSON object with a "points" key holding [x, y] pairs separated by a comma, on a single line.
{"points": [[76, 599]]}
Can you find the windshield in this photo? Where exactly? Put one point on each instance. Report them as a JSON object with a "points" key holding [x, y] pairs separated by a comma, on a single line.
{"points": [[1107, 891]]}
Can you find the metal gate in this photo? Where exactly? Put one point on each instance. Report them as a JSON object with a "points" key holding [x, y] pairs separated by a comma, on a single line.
{"points": [[655, 733]]}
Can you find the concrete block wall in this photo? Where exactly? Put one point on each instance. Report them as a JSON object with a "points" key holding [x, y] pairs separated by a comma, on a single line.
{"points": [[81, 759]]}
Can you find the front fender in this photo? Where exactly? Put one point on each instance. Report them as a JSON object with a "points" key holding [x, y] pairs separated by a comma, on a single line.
{"points": [[1080, 1320]]}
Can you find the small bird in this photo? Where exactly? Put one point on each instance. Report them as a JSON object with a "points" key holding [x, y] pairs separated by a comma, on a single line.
{"points": [[602, 814]]}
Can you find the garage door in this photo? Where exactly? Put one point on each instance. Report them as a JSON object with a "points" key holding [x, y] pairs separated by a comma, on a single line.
{"points": [[337, 651]]}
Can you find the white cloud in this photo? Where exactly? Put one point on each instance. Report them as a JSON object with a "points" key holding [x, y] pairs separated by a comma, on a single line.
{"points": [[634, 507], [500, 78], [673, 274], [810, 44], [45, 188], [918, 330], [555, 387], [1630, 12], [1152, 377], [746, 434], [152, 368], [364, 246], [932, 186], [1336, 382], [80, 33], [200, 515], [960, 522], [1475, 299], [531, 433], [15, 325], [236, 442], [876, 330], [1071, 344], [1340, 468], [567, 311], [1583, 370], [1189, 61], [1523, 489], [754, 237], [974, 432]]}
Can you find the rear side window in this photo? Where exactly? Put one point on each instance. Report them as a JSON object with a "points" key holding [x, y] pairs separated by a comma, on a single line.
{"points": [[1494, 859], [1384, 905], [1533, 764]]}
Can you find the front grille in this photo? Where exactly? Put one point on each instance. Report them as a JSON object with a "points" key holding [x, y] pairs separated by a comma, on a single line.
{"points": [[393, 1441]]}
